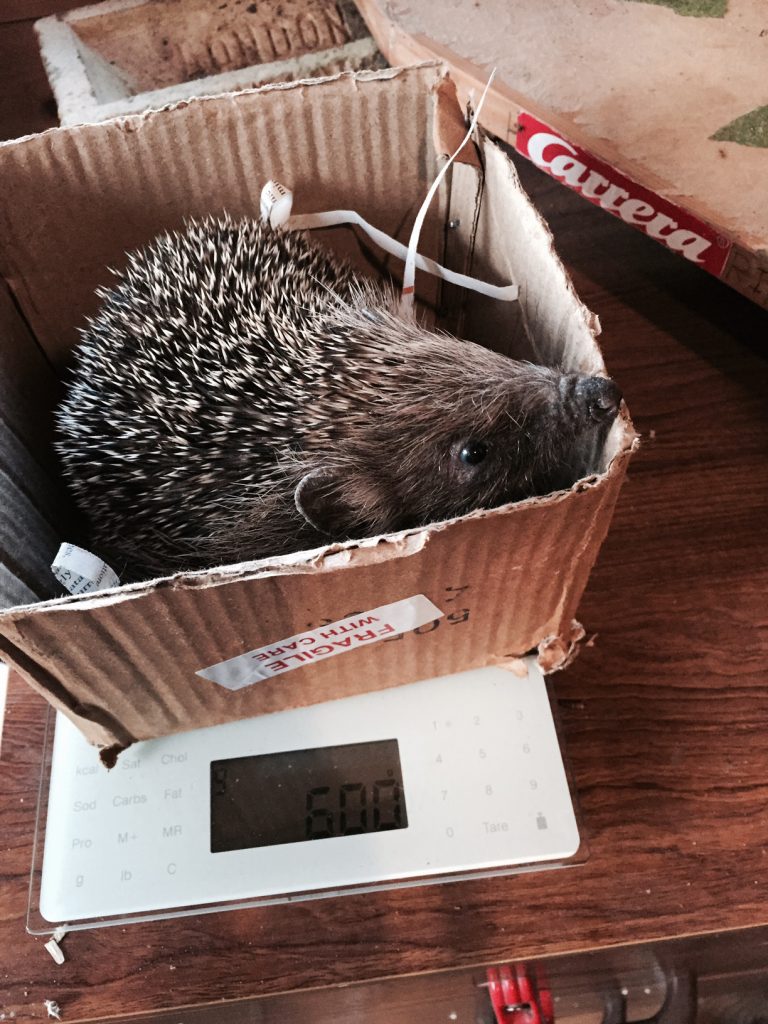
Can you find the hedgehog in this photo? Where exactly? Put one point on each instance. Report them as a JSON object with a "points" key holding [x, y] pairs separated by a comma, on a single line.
{"points": [[242, 393]]}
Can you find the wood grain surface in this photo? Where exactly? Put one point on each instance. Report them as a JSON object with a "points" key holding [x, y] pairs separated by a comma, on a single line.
{"points": [[665, 719]]}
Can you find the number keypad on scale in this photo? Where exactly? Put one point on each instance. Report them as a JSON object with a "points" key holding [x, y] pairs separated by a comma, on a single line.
{"points": [[434, 779]]}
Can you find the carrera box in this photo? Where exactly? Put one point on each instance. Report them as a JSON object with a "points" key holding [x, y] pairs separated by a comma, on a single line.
{"points": [[197, 649]]}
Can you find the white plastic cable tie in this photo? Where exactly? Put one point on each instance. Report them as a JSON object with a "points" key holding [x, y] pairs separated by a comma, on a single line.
{"points": [[409, 273], [81, 572], [305, 221], [276, 204]]}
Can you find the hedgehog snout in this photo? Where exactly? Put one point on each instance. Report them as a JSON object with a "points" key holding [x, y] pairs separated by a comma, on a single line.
{"points": [[598, 399]]}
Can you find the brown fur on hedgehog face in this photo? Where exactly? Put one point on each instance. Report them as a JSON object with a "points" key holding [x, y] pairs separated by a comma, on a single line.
{"points": [[435, 428], [464, 428]]}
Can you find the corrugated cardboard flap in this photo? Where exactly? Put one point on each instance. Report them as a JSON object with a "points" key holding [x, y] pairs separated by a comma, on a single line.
{"points": [[153, 638]]}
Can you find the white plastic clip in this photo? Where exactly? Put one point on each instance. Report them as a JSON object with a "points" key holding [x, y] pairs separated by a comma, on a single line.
{"points": [[276, 204], [80, 572]]}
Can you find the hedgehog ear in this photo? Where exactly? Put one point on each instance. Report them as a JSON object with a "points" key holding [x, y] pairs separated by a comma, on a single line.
{"points": [[318, 500]]}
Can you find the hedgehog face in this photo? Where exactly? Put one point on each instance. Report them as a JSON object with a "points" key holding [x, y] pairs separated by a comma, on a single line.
{"points": [[532, 447], [537, 432], [440, 448], [421, 427]]}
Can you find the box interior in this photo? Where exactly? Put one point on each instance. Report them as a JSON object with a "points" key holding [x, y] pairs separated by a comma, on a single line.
{"points": [[75, 200], [109, 189]]}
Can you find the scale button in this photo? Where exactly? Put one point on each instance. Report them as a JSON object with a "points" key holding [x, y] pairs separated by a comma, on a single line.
{"points": [[85, 769], [171, 831], [495, 826], [126, 875], [126, 837], [178, 758], [129, 799], [172, 793], [84, 805], [81, 843], [171, 868], [129, 764]]}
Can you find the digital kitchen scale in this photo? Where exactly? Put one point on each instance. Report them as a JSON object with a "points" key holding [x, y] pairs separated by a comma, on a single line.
{"points": [[434, 781]]}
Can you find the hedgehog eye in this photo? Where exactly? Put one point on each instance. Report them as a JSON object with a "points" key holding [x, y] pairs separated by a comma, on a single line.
{"points": [[473, 452]]}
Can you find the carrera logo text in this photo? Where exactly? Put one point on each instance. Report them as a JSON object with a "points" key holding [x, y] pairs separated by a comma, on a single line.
{"points": [[606, 187]]}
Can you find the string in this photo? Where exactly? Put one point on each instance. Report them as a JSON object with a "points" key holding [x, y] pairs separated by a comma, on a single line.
{"points": [[409, 272]]}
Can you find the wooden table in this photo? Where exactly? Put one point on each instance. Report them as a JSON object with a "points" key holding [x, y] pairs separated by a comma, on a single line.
{"points": [[665, 720]]}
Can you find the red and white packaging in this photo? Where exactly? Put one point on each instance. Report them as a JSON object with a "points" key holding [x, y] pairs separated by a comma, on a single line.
{"points": [[613, 191]]}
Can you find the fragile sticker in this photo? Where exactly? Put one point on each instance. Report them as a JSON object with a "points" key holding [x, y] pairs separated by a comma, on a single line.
{"points": [[613, 191], [323, 642]]}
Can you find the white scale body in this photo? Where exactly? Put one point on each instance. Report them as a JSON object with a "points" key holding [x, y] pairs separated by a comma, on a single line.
{"points": [[480, 782]]}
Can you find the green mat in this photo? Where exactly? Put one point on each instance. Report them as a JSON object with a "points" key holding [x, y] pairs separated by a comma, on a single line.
{"points": [[693, 8], [749, 130]]}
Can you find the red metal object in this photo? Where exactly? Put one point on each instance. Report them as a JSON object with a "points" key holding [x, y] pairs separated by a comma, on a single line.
{"points": [[517, 998]]}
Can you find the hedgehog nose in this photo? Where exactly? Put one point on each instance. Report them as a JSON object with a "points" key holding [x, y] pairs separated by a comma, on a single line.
{"points": [[600, 398]]}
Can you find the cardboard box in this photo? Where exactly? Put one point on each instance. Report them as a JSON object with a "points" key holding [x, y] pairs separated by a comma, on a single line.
{"points": [[126, 56], [122, 664]]}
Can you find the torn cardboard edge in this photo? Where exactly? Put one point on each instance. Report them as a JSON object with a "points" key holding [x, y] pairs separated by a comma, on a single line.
{"points": [[329, 558], [62, 56], [557, 652], [553, 654], [449, 126], [135, 118]]}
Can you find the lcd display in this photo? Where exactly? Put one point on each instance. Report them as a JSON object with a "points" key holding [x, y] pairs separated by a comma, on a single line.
{"points": [[299, 796]]}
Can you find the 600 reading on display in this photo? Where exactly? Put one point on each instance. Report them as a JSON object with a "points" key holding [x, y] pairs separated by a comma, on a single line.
{"points": [[302, 795]]}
